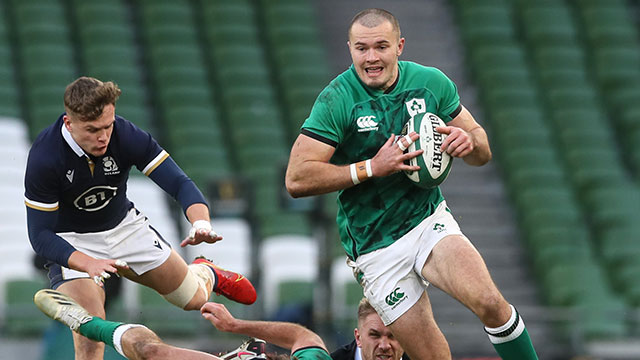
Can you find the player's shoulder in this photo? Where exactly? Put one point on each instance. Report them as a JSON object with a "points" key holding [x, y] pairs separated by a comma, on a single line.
{"points": [[127, 131], [413, 68], [339, 85]]}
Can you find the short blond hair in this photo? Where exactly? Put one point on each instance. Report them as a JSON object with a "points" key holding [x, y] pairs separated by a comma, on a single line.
{"points": [[365, 309], [86, 97]]}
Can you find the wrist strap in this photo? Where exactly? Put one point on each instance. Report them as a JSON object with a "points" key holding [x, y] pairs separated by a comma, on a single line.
{"points": [[354, 174], [360, 171]]}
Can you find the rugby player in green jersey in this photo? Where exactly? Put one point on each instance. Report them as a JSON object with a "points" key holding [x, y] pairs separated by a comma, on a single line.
{"points": [[137, 342], [399, 237]]}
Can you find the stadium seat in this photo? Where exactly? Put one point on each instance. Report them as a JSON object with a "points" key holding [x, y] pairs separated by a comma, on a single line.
{"points": [[285, 259], [164, 318], [21, 317]]}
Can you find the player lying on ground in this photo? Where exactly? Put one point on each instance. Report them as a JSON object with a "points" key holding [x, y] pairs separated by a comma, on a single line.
{"points": [[138, 342]]}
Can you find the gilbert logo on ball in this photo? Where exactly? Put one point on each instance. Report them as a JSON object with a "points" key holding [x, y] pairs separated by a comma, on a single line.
{"points": [[434, 163]]}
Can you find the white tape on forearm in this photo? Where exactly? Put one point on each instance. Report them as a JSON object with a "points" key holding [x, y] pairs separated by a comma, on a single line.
{"points": [[369, 170], [354, 174]]}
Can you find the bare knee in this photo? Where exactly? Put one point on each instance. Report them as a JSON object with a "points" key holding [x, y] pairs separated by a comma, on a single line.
{"points": [[148, 350], [492, 309]]}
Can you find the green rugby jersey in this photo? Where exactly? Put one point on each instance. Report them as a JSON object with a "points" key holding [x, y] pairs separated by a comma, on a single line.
{"points": [[357, 121], [310, 353]]}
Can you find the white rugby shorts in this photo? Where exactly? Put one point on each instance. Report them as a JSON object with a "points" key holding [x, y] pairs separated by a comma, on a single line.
{"points": [[392, 276], [132, 240]]}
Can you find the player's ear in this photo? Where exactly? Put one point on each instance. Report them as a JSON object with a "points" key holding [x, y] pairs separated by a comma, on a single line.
{"points": [[67, 121], [400, 46], [356, 335]]}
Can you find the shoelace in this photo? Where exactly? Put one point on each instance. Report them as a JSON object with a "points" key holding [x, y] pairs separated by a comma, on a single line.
{"points": [[74, 317]]}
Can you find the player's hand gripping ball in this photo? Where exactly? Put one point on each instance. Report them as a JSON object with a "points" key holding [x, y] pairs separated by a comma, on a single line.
{"points": [[434, 163]]}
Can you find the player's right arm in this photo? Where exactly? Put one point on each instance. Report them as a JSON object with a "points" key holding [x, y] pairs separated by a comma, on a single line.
{"points": [[309, 171], [284, 334]]}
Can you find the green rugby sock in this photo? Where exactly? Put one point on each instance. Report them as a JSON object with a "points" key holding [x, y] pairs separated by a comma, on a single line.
{"points": [[99, 330], [511, 340]]}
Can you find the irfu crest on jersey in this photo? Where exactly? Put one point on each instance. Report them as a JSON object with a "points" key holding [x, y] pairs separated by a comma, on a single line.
{"points": [[416, 106]]}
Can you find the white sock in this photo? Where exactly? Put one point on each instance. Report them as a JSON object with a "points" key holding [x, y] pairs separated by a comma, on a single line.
{"points": [[117, 336], [507, 332]]}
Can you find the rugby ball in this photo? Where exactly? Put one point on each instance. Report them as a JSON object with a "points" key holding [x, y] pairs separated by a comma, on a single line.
{"points": [[434, 163]]}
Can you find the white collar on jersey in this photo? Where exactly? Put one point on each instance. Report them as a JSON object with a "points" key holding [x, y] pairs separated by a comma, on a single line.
{"points": [[72, 143], [358, 354]]}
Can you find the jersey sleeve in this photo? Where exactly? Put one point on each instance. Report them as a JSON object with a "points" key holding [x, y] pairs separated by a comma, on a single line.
{"points": [[446, 93], [324, 120], [142, 149], [310, 353], [170, 177], [41, 199], [155, 162]]}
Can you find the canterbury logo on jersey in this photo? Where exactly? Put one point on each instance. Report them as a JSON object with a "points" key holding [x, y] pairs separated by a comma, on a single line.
{"points": [[367, 123]]}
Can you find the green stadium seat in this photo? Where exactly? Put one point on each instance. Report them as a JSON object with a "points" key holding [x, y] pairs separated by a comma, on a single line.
{"points": [[106, 34], [22, 317], [164, 318], [608, 34], [178, 54], [171, 33], [282, 223], [295, 292], [510, 77], [563, 78], [178, 97], [499, 57], [549, 22], [544, 198], [166, 12]]}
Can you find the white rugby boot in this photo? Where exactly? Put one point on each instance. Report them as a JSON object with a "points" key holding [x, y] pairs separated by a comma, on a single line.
{"points": [[62, 308]]}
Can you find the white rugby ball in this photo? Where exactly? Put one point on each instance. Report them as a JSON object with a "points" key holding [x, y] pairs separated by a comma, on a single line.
{"points": [[434, 163]]}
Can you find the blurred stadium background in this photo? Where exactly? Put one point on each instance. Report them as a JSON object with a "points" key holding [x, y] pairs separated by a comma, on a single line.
{"points": [[224, 86]]}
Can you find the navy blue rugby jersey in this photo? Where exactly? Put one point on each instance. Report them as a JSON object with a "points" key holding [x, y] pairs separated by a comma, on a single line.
{"points": [[59, 176], [64, 194]]}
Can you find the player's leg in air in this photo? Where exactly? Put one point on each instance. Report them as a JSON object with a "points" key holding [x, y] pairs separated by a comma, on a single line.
{"points": [[132, 341], [469, 282], [153, 263], [150, 261]]}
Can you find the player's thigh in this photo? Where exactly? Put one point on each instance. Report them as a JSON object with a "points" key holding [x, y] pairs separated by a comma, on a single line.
{"points": [[456, 267], [86, 293], [418, 332], [164, 278]]}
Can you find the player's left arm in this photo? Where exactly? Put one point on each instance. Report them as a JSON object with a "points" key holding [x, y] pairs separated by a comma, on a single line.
{"points": [[154, 162], [466, 139], [172, 179]]}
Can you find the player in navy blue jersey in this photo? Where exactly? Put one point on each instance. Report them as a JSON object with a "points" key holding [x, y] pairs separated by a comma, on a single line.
{"points": [[80, 219]]}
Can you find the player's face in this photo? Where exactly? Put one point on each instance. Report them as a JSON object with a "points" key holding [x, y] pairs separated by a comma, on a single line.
{"points": [[375, 52], [92, 136], [376, 340]]}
